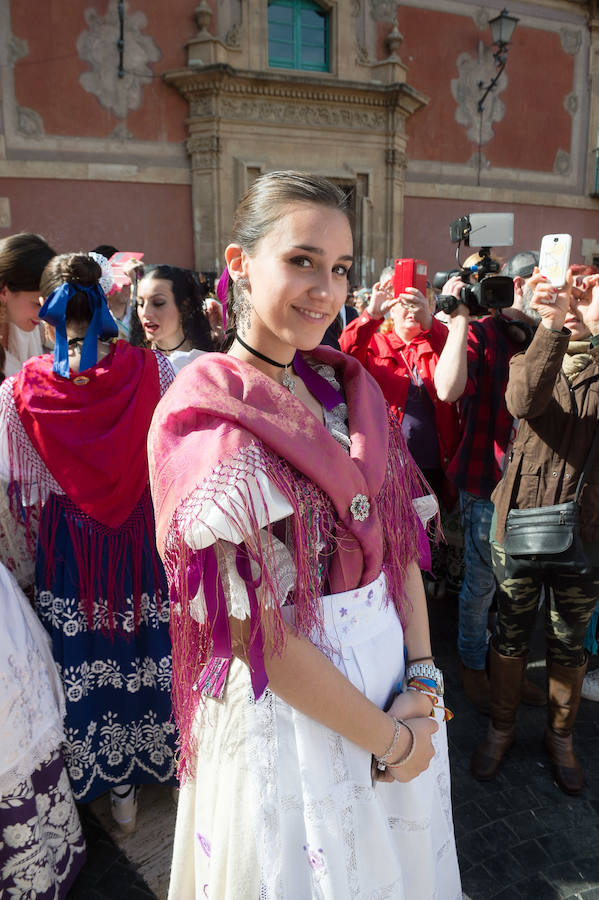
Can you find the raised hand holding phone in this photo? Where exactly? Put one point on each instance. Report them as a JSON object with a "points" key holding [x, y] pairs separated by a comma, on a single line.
{"points": [[551, 304], [554, 258]]}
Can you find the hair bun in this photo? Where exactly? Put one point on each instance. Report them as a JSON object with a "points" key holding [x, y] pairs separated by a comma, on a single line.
{"points": [[83, 269], [73, 267]]}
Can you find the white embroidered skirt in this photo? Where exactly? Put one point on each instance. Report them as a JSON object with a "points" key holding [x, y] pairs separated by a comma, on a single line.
{"points": [[282, 807]]}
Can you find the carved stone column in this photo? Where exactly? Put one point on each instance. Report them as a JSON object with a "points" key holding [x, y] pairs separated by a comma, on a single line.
{"points": [[204, 150], [396, 163]]}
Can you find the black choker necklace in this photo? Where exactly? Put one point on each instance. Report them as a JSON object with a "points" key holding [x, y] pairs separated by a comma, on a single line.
{"points": [[172, 350], [288, 381]]}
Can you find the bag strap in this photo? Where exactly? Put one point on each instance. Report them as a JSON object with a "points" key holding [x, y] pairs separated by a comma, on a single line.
{"points": [[586, 464]]}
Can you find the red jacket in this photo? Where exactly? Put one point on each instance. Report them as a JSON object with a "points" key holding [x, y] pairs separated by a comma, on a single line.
{"points": [[390, 361]]}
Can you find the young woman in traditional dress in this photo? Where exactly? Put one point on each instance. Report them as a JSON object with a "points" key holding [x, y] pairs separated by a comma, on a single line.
{"points": [[73, 431], [283, 495]]}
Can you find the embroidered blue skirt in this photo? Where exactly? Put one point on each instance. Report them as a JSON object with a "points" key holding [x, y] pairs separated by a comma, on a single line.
{"points": [[117, 686]]}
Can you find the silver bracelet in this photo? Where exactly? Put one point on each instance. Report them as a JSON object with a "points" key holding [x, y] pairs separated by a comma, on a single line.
{"points": [[410, 752], [381, 761]]}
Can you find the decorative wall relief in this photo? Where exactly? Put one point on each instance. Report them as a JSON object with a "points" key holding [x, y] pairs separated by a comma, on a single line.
{"points": [[571, 41], [233, 36], [17, 49], [29, 122], [563, 163], [204, 151], [98, 47], [384, 10], [571, 103], [466, 91], [301, 114]]}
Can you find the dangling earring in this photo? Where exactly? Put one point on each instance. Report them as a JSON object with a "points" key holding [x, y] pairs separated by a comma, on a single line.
{"points": [[242, 306]]}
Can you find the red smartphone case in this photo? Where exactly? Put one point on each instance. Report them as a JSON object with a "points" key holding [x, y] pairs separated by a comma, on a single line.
{"points": [[409, 273]]}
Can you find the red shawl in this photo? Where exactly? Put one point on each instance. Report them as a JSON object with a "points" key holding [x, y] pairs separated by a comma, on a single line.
{"points": [[90, 430]]}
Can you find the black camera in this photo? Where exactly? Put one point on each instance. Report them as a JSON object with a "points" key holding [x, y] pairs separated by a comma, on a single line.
{"points": [[490, 290]]}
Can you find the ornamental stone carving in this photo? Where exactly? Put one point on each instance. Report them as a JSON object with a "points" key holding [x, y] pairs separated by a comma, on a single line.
{"points": [[362, 57], [29, 122], [571, 103], [233, 36], [204, 151], [467, 90], [301, 114], [202, 108], [384, 10], [571, 40], [396, 158], [17, 49], [563, 163], [97, 46]]}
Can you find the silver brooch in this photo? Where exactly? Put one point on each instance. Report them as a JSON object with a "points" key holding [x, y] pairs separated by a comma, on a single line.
{"points": [[360, 507]]}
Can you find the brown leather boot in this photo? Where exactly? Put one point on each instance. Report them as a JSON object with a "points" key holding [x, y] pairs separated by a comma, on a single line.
{"points": [[565, 685], [506, 674], [476, 688], [533, 695]]}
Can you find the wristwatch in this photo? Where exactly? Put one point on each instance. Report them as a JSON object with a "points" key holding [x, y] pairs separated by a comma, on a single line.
{"points": [[426, 670]]}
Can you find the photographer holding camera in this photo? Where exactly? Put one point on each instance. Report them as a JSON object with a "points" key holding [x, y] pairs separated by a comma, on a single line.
{"points": [[473, 368], [547, 520]]}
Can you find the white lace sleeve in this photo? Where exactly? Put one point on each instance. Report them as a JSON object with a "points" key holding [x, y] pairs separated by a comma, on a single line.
{"points": [[426, 508], [278, 559], [34, 476], [224, 517], [5, 402]]}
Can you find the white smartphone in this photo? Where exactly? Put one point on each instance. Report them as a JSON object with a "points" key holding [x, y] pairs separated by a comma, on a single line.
{"points": [[554, 258]]}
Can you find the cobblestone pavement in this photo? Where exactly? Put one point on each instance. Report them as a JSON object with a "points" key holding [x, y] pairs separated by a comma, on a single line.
{"points": [[518, 836]]}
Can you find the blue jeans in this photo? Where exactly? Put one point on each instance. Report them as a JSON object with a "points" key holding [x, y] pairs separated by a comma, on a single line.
{"points": [[478, 586]]}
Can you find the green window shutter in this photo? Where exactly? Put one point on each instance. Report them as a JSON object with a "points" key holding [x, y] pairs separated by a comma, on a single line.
{"points": [[298, 35]]}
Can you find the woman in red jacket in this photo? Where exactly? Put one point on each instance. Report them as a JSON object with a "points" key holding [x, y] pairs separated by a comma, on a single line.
{"points": [[403, 363]]}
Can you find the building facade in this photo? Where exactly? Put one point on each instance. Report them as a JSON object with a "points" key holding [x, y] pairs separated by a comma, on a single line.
{"points": [[140, 124]]}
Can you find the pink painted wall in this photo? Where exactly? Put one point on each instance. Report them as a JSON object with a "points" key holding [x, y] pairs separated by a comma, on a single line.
{"points": [[79, 215], [426, 228], [47, 79], [533, 98]]}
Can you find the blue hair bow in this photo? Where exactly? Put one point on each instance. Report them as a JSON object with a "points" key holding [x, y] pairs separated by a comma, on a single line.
{"points": [[101, 327]]}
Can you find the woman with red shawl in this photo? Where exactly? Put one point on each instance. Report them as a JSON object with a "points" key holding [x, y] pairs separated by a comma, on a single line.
{"points": [[283, 498], [73, 430]]}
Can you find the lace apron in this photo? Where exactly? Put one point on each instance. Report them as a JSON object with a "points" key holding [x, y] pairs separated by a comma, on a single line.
{"points": [[283, 807]]}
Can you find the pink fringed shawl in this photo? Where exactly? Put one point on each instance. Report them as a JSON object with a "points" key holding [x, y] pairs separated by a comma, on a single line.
{"points": [[223, 421]]}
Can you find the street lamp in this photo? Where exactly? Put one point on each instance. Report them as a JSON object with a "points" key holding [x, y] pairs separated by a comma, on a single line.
{"points": [[502, 28]]}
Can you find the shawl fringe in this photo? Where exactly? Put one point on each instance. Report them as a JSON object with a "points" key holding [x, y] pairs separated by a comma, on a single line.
{"points": [[101, 554], [199, 615]]}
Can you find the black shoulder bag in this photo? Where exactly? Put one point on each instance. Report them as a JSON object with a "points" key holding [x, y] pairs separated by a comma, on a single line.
{"points": [[547, 539]]}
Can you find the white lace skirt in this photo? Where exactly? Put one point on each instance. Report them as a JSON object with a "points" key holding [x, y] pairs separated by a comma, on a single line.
{"points": [[285, 808]]}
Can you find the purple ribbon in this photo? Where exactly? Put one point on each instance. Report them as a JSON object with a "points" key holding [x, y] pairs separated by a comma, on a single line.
{"points": [[204, 568], [324, 392], [256, 650]]}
